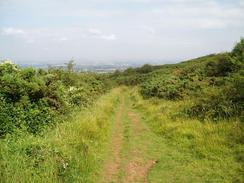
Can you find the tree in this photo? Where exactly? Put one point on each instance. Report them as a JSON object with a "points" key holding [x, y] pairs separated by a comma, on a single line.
{"points": [[222, 67], [145, 69], [70, 65], [238, 50]]}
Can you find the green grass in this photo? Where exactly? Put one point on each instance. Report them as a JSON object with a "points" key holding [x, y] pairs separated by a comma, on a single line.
{"points": [[191, 151], [73, 152], [186, 150]]}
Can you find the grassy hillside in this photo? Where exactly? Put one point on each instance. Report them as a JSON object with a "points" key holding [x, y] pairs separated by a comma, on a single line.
{"points": [[187, 119], [215, 83], [197, 107], [196, 151]]}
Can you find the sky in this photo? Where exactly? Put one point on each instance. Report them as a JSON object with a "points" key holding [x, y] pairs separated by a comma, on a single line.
{"points": [[110, 31]]}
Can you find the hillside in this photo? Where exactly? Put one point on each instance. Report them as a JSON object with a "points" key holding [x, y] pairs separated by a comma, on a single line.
{"points": [[167, 123], [213, 82]]}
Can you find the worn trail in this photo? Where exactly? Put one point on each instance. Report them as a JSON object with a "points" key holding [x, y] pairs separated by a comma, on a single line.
{"points": [[138, 166], [112, 166], [130, 159]]}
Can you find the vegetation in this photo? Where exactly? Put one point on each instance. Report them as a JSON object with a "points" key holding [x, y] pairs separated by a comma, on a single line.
{"points": [[191, 151], [215, 83], [72, 152], [56, 124], [34, 99], [197, 108]]}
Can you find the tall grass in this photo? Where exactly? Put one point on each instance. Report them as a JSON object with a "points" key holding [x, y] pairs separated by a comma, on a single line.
{"points": [[211, 150], [70, 153]]}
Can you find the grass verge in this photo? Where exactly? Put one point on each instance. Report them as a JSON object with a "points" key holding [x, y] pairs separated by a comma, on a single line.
{"points": [[73, 152], [192, 151]]}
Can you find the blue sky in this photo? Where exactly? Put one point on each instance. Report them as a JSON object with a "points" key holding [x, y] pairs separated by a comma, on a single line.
{"points": [[41, 31]]}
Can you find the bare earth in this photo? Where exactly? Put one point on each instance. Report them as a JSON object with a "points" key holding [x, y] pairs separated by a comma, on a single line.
{"points": [[134, 166], [112, 167], [137, 169]]}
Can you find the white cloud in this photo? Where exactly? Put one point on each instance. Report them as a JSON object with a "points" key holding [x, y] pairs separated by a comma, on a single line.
{"points": [[12, 31], [77, 33], [142, 28], [95, 32], [63, 38], [99, 34], [30, 41], [149, 30], [202, 15], [109, 37]]}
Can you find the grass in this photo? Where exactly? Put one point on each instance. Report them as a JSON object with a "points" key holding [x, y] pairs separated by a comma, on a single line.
{"points": [[191, 151], [186, 150], [73, 152]]}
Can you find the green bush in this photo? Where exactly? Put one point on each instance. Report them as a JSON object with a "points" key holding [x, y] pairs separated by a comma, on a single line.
{"points": [[32, 117], [7, 117], [214, 107], [168, 87], [222, 67], [223, 104], [32, 99], [238, 51]]}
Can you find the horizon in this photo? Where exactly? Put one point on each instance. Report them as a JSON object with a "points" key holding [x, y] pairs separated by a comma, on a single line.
{"points": [[128, 31]]}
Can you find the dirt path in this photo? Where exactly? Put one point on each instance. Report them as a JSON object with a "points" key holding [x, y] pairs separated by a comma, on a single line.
{"points": [[112, 166], [138, 166], [128, 161]]}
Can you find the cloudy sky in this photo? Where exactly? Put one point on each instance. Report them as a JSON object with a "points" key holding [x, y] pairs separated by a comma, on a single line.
{"points": [[117, 30]]}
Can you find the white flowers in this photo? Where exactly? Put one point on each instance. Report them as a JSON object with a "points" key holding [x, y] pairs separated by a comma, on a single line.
{"points": [[65, 165], [75, 89], [71, 88], [6, 62]]}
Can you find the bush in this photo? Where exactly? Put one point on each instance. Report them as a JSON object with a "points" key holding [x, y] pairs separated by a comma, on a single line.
{"points": [[7, 117], [214, 107], [32, 99], [223, 104], [145, 69], [32, 117], [167, 87], [238, 50], [222, 67]]}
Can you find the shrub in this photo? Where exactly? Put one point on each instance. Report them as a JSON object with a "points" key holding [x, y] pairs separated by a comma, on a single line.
{"points": [[33, 117], [224, 104], [167, 87], [7, 117], [214, 107], [222, 67], [32, 99], [145, 69], [238, 50]]}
